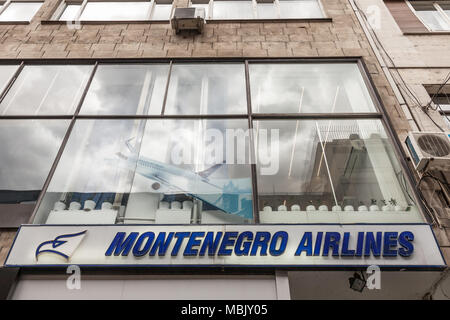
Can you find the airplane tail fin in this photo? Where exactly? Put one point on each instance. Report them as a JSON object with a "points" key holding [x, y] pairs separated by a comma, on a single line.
{"points": [[131, 148], [206, 173]]}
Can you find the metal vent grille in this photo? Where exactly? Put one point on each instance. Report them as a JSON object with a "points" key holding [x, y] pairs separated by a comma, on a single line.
{"points": [[434, 145]]}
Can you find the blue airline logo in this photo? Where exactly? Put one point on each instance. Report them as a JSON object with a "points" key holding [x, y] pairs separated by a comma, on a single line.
{"points": [[63, 245]]}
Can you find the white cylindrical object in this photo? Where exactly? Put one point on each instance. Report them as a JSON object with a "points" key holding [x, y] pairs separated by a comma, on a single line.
{"points": [[374, 207], [74, 205], [89, 205], [295, 207], [175, 205], [59, 206], [349, 208], [267, 209], [310, 208], [282, 208], [363, 208], [106, 205], [323, 208], [163, 205], [336, 208]]}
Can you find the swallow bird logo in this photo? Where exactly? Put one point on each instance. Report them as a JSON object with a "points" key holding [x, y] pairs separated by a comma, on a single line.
{"points": [[63, 245]]}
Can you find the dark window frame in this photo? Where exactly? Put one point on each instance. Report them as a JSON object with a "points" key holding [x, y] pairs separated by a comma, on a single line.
{"points": [[379, 113]]}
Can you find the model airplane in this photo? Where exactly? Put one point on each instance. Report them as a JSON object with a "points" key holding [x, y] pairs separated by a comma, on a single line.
{"points": [[233, 196]]}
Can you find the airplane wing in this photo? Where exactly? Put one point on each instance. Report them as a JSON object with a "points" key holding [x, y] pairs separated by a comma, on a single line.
{"points": [[210, 170]]}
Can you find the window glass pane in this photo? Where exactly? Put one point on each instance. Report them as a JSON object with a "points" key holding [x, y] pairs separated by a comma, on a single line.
{"points": [[267, 10], [6, 73], [46, 89], [447, 122], [192, 163], [116, 11], [430, 16], [445, 7], [300, 9], [202, 5], [154, 173], [308, 88], [443, 100], [447, 10], [70, 12], [346, 164], [162, 12], [29, 148], [20, 11], [232, 10], [207, 89], [127, 89], [77, 179]]}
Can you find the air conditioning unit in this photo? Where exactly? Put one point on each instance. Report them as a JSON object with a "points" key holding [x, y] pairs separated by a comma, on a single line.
{"points": [[188, 19], [429, 150]]}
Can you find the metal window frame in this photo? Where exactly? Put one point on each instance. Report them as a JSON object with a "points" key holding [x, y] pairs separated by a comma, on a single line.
{"points": [[83, 3], [7, 3], [255, 3], [436, 5], [379, 113]]}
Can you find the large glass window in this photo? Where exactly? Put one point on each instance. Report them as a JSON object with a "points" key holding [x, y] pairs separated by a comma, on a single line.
{"points": [[207, 89], [29, 148], [127, 89], [19, 11], [259, 9], [308, 88], [114, 10], [310, 141], [154, 171], [343, 170], [434, 14], [46, 90]]}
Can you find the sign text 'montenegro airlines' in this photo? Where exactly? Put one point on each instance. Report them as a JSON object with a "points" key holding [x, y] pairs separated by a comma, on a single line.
{"points": [[263, 243]]}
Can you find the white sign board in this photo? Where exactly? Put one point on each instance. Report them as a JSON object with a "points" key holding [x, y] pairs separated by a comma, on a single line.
{"points": [[399, 245]]}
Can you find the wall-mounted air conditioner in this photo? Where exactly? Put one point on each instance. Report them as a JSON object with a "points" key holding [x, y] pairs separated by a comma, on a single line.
{"points": [[188, 19], [429, 150]]}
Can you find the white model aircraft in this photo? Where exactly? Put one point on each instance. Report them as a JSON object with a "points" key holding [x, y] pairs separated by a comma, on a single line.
{"points": [[233, 196]]}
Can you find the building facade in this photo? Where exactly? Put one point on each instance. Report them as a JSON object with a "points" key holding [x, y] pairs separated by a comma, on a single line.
{"points": [[259, 157]]}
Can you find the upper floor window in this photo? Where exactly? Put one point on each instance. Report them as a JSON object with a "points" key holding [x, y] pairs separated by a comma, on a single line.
{"points": [[442, 101], [259, 9], [434, 15], [45, 90], [6, 73], [18, 10], [113, 10]]}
